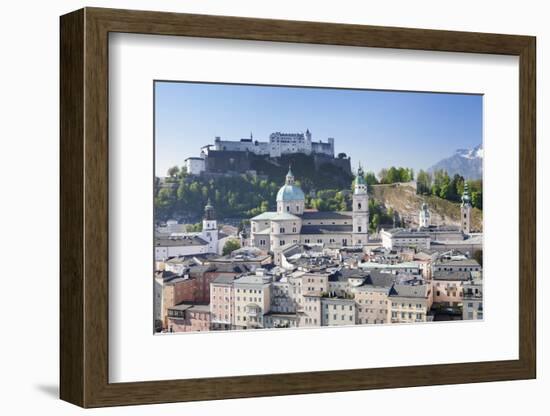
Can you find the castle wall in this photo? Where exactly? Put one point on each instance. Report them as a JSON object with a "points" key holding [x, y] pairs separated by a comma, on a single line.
{"points": [[227, 161], [254, 146], [320, 159]]}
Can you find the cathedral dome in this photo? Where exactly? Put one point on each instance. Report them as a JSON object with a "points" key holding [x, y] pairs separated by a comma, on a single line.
{"points": [[289, 191]]}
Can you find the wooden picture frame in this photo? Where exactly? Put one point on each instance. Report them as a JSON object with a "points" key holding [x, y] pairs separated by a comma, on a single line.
{"points": [[84, 207]]}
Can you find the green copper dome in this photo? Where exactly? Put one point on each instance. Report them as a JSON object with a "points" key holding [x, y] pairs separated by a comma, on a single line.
{"points": [[289, 191]]}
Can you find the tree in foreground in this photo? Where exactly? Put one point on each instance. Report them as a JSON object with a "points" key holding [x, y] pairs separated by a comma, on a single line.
{"points": [[230, 246]]}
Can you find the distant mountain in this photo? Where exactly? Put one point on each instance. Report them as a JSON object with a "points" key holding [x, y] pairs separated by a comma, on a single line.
{"points": [[465, 162]]}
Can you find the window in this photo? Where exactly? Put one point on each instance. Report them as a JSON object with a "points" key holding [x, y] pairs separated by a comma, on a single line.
{"points": [[359, 205], [287, 208], [282, 230], [359, 229]]}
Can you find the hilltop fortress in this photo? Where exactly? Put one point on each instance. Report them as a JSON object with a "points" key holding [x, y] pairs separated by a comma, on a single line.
{"points": [[279, 144], [239, 155]]}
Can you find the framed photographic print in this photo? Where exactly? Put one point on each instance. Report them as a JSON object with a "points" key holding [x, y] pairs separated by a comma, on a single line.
{"points": [[255, 207]]}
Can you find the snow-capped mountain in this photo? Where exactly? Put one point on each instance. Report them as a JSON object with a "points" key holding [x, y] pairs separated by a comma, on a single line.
{"points": [[465, 162]]}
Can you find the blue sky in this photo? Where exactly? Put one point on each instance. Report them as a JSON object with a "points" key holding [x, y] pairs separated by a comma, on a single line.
{"points": [[377, 128]]}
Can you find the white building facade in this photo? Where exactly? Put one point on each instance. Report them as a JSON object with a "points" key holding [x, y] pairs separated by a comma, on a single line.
{"points": [[195, 165]]}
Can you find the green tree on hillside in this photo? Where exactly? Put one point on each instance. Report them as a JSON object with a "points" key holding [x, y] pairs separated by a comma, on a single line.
{"points": [[396, 174], [370, 179], [173, 171], [423, 182]]}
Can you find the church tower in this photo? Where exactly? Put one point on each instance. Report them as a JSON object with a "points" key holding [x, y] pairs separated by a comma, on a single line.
{"points": [[210, 228], [360, 214], [465, 210], [424, 216]]}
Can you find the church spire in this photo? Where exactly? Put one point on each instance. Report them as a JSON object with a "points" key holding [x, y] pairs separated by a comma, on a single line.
{"points": [[466, 200], [360, 183], [289, 176], [209, 211], [465, 210]]}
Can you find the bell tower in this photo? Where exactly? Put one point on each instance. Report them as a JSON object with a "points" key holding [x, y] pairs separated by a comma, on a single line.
{"points": [[360, 213], [424, 216], [210, 228], [465, 210]]}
